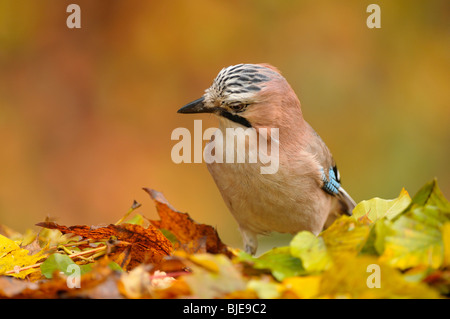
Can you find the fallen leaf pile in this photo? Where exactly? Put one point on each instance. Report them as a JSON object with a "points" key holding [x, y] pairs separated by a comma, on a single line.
{"points": [[396, 248]]}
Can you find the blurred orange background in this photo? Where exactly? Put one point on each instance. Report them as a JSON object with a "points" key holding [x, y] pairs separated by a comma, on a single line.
{"points": [[86, 115]]}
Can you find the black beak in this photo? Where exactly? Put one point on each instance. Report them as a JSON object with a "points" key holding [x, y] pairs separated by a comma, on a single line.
{"points": [[196, 106]]}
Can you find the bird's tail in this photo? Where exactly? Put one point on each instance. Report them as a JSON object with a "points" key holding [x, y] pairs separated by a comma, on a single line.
{"points": [[348, 204]]}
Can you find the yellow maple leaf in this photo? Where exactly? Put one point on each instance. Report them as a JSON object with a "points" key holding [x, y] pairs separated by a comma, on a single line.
{"points": [[14, 258], [366, 277], [303, 287], [446, 240], [415, 239], [345, 235]]}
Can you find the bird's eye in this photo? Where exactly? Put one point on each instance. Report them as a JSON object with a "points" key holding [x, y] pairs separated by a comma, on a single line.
{"points": [[238, 107]]}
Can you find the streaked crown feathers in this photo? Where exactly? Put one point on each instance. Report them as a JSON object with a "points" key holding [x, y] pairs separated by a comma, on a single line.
{"points": [[239, 83]]}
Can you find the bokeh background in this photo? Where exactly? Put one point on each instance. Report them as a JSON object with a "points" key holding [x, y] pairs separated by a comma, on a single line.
{"points": [[86, 115]]}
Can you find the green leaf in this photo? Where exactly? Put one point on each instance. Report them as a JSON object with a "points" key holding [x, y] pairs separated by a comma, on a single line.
{"points": [[56, 262], [278, 260], [265, 289], [137, 220], [84, 269], [382, 230], [311, 250], [114, 266], [169, 235], [415, 239], [431, 194], [377, 208]]}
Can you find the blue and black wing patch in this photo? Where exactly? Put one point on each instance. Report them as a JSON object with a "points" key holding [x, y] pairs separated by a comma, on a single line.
{"points": [[332, 183]]}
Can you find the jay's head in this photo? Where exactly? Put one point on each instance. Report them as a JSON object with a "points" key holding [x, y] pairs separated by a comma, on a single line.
{"points": [[252, 95]]}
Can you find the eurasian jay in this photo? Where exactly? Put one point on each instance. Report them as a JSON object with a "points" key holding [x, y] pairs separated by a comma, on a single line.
{"points": [[305, 193]]}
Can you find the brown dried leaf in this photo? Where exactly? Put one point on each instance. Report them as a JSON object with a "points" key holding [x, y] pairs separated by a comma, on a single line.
{"points": [[100, 283], [136, 244], [193, 237], [12, 287]]}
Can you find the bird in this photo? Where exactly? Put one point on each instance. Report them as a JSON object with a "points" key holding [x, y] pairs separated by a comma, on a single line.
{"points": [[305, 193]]}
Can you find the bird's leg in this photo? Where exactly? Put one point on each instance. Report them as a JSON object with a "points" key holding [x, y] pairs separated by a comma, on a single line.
{"points": [[250, 240]]}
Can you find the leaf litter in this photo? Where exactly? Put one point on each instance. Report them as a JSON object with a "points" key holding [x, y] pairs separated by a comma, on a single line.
{"points": [[406, 240]]}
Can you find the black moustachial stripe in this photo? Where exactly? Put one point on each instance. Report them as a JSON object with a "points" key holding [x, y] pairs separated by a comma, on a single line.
{"points": [[235, 118]]}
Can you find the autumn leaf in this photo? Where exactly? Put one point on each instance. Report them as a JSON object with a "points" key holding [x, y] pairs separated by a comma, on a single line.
{"points": [[446, 241], [13, 258], [349, 277], [101, 282], [345, 235], [431, 194], [304, 286], [138, 283], [213, 276], [415, 239], [406, 242], [61, 263], [11, 287], [265, 288], [136, 244], [279, 261], [440, 280], [374, 209], [193, 237], [311, 250]]}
